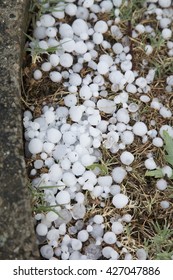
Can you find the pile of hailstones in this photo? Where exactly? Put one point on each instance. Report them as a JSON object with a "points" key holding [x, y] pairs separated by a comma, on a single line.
{"points": [[67, 139]]}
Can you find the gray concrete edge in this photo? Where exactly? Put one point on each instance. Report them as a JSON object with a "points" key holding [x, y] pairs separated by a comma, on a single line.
{"points": [[17, 237]]}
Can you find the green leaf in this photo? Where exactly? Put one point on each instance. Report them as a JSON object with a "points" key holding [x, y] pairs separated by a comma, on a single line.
{"points": [[157, 173], [169, 159], [103, 168], [168, 143]]}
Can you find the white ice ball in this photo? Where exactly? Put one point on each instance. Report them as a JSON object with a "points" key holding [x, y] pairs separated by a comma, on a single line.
{"points": [[66, 31], [158, 142], [66, 60], [47, 20], [165, 3], [80, 47], [127, 158], [41, 229], [79, 26], [102, 67], [150, 164], [53, 135], [117, 228], [164, 204], [54, 59], [109, 237], [63, 197], [55, 76], [161, 184], [35, 146], [55, 172], [37, 74], [47, 251], [70, 100], [166, 33], [140, 128], [118, 174], [101, 26], [123, 116], [106, 106], [120, 200], [83, 235]]}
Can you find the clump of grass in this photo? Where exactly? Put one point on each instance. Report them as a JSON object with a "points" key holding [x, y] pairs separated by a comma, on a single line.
{"points": [[160, 245]]}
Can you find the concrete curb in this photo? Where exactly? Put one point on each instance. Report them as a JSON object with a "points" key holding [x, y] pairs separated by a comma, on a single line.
{"points": [[17, 238]]}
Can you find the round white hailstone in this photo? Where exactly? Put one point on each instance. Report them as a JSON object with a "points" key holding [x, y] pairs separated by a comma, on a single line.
{"points": [[166, 33], [80, 47], [66, 60], [47, 252], [129, 76], [75, 113], [97, 38], [53, 135], [54, 59], [140, 28], [35, 146], [51, 32], [40, 32], [63, 197], [69, 179], [161, 184], [165, 3], [88, 3], [106, 106], [66, 30], [158, 142], [38, 164], [133, 107], [165, 112], [117, 3], [109, 237], [49, 117], [83, 235], [76, 244], [105, 181], [101, 26], [97, 191], [118, 174], [71, 9], [78, 211], [117, 228], [131, 88], [127, 137], [68, 44], [85, 92], [53, 234], [41, 229], [55, 172], [115, 77], [65, 164], [140, 128], [120, 200], [123, 116], [51, 216], [167, 170], [106, 58], [102, 68], [87, 57], [115, 189], [98, 219], [141, 82], [46, 66], [75, 79], [80, 197], [70, 100], [164, 22], [106, 252], [87, 159], [127, 158], [127, 218], [37, 74], [141, 254], [48, 147], [126, 65], [79, 26], [145, 98], [47, 20], [117, 48], [55, 76], [78, 169], [148, 49], [164, 204], [69, 137], [150, 164]]}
